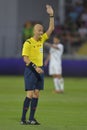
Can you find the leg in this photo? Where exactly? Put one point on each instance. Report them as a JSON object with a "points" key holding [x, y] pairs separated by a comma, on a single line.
{"points": [[62, 84], [26, 106], [56, 85], [59, 83], [34, 103], [56, 82]]}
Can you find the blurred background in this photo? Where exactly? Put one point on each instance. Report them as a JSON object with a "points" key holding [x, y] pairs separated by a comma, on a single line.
{"points": [[17, 18]]}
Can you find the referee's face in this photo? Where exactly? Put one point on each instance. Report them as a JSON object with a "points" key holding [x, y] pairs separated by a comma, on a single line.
{"points": [[38, 30]]}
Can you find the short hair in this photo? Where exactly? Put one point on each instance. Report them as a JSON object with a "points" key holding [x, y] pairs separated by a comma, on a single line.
{"points": [[57, 36]]}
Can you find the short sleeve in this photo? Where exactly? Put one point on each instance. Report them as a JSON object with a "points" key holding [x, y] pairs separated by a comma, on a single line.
{"points": [[45, 37], [26, 49]]}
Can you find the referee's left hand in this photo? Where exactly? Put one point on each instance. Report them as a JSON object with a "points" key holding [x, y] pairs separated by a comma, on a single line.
{"points": [[39, 70]]}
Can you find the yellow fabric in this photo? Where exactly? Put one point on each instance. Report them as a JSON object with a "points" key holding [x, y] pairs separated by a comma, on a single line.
{"points": [[34, 49]]}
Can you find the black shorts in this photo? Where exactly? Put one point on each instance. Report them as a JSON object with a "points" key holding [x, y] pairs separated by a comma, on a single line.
{"points": [[33, 80]]}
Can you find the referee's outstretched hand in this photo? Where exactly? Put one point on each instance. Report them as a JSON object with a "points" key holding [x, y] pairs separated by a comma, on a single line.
{"points": [[49, 10]]}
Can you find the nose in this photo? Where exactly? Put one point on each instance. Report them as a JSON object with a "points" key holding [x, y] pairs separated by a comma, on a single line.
{"points": [[41, 32]]}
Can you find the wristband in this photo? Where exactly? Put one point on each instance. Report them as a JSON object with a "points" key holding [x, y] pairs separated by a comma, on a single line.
{"points": [[32, 65], [51, 16]]}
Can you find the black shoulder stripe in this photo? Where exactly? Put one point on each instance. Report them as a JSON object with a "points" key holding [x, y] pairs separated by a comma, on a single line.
{"points": [[28, 41]]}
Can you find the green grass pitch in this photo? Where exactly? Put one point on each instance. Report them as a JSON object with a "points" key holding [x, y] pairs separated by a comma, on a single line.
{"points": [[66, 111]]}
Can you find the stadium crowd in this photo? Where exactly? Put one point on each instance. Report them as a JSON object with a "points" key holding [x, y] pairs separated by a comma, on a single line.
{"points": [[74, 30]]}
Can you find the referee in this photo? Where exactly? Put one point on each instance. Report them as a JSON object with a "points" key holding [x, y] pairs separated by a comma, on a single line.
{"points": [[34, 75]]}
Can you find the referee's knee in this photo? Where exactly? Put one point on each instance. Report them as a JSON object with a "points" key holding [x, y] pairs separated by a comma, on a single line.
{"points": [[30, 94], [36, 94]]}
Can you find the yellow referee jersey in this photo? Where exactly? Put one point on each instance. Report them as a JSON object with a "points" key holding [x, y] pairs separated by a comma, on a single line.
{"points": [[34, 49]]}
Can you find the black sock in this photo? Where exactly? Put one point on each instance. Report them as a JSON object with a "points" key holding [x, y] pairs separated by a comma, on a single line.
{"points": [[34, 103], [25, 108]]}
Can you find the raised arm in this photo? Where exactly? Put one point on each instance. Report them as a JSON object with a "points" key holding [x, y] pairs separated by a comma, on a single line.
{"points": [[50, 11]]}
